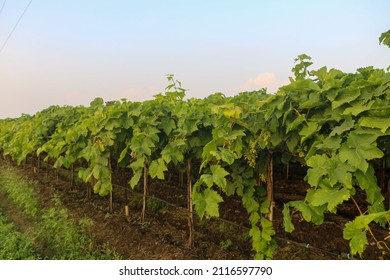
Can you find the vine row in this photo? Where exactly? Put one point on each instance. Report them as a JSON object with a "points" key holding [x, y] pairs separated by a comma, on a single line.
{"points": [[334, 123]]}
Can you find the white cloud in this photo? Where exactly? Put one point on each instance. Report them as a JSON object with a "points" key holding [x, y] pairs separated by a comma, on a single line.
{"points": [[266, 80]]}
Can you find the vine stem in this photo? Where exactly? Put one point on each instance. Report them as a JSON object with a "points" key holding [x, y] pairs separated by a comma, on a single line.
{"points": [[368, 227]]}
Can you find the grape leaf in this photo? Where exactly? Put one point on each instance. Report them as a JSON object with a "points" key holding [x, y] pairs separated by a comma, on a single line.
{"points": [[347, 125], [345, 96], [136, 177], [356, 109], [288, 225], [207, 202], [358, 149], [85, 174], [357, 237], [138, 164], [294, 124], [375, 122], [332, 143], [217, 177], [340, 173], [367, 181], [320, 164], [331, 197], [171, 152], [355, 231], [267, 230], [102, 188], [250, 204], [309, 213], [308, 130], [227, 155], [167, 125], [157, 169]]}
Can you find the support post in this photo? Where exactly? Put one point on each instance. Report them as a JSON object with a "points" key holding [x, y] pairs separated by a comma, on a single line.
{"points": [[145, 193], [110, 207], [190, 207], [270, 185]]}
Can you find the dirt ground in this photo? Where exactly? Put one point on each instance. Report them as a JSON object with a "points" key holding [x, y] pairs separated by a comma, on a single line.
{"points": [[164, 235]]}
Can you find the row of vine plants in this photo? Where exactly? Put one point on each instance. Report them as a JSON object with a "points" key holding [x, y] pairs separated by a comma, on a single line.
{"points": [[334, 123]]}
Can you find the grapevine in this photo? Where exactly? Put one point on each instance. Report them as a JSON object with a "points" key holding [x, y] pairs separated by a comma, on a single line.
{"points": [[334, 123]]}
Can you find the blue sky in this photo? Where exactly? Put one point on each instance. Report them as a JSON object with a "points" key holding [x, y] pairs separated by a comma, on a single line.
{"points": [[69, 52]]}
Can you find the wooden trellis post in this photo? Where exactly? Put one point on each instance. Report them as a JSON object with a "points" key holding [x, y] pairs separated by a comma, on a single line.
{"points": [[145, 193], [270, 185], [190, 207]]}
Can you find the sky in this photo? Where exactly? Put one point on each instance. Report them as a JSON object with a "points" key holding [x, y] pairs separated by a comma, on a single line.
{"points": [[70, 52]]}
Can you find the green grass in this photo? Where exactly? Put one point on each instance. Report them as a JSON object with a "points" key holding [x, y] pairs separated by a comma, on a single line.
{"points": [[19, 191], [52, 232], [13, 244]]}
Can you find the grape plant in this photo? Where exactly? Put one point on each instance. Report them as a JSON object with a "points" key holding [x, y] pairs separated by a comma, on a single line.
{"points": [[334, 123]]}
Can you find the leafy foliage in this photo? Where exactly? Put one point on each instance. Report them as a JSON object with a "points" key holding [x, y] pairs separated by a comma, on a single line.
{"points": [[334, 123], [385, 38]]}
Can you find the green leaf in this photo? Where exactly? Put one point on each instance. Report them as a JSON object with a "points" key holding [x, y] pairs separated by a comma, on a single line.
{"points": [[141, 144], [250, 204], [217, 177], [90, 152], [297, 121], [314, 100], [358, 149], [234, 112], [135, 179], [347, 125], [288, 225], [172, 153], [207, 203], [265, 206], [157, 169], [209, 148], [375, 122], [356, 109], [357, 237], [367, 182], [276, 138], [356, 231], [331, 143], [97, 171], [123, 154], [267, 229], [308, 130], [309, 212], [385, 38], [85, 174], [292, 142], [345, 95], [137, 164], [331, 197], [341, 173], [225, 154], [254, 218], [255, 233], [336, 171], [102, 188], [320, 165], [167, 125]]}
